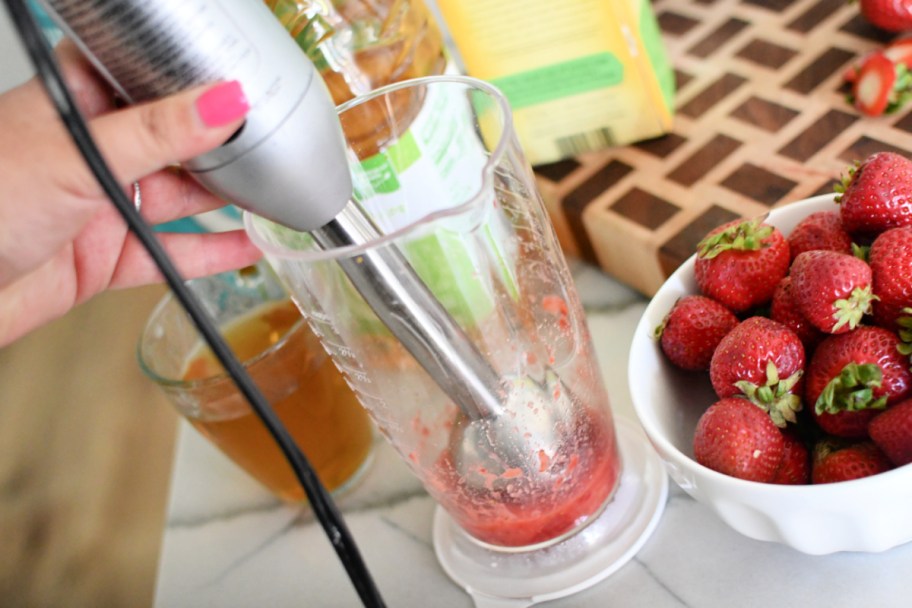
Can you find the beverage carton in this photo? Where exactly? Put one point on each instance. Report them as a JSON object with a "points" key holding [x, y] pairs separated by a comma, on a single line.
{"points": [[580, 75]]}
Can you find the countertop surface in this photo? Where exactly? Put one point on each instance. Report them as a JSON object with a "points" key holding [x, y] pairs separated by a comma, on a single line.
{"points": [[227, 543]]}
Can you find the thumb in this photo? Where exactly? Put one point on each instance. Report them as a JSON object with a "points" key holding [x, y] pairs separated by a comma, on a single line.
{"points": [[141, 139]]}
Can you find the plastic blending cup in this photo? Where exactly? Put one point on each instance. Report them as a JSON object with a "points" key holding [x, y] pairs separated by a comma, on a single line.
{"points": [[285, 360], [448, 186]]}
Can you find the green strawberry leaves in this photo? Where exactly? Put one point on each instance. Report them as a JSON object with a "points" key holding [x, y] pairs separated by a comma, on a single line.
{"points": [[862, 252], [840, 186], [852, 390], [775, 396], [745, 236], [905, 332], [902, 89], [850, 311]]}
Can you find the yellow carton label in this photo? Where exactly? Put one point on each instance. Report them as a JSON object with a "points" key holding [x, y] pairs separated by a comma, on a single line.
{"points": [[579, 74]]}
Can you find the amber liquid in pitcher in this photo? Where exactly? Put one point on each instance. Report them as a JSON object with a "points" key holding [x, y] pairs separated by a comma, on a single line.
{"points": [[304, 388]]}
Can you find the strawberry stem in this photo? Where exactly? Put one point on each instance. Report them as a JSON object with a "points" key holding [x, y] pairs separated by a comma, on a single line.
{"points": [[852, 390], [774, 396], [850, 310], [844, 181], [744, 236], [904, 322]]}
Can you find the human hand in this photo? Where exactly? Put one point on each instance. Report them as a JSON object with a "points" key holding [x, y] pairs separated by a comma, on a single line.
{"points": [[61, 239]]}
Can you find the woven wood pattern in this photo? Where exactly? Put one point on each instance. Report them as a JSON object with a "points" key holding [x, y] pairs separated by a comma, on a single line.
{"points": [[761, 121]]}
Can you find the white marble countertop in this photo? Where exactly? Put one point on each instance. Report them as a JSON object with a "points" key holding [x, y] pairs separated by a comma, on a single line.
{"points": [[227, 543]]}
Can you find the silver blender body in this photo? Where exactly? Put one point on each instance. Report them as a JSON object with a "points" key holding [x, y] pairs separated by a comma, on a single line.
{"points": [[288, 164]]}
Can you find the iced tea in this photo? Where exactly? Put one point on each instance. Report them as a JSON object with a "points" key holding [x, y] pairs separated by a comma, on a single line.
{"points": [[304, 388]]}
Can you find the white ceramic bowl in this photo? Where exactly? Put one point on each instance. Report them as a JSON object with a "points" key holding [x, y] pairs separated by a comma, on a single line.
{"points": [[870, 514]]}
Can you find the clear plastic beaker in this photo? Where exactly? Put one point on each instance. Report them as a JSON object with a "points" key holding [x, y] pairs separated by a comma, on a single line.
{"points": [[450, 189]]}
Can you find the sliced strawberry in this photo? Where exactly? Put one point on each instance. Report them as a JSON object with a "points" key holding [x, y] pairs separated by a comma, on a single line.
{"points": [[900, 51], [873, 87], [850, 74]]}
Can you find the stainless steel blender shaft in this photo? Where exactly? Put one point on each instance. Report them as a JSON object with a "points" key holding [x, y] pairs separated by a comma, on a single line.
{"points": [[402, 301]]}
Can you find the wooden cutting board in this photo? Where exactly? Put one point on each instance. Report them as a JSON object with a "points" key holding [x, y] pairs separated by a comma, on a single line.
{"points": [[761, 120]]}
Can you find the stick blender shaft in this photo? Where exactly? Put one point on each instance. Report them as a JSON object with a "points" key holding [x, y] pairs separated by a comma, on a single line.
{"points": [[402, 301]]}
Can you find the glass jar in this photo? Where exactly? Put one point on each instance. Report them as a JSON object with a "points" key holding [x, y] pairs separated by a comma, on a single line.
{"points": [[360, 45]]}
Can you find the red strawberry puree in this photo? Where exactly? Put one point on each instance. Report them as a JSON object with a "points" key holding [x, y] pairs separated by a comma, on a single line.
{"points": [[506, 512]]}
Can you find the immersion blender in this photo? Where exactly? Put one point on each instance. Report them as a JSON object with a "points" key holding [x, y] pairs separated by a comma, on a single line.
{"points": [[288, 164]]}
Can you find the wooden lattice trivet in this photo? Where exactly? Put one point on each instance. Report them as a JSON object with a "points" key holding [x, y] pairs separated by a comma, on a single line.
{"points": [[761, 121]]}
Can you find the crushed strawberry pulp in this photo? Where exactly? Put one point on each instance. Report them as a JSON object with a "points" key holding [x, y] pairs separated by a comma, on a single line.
{"points": [[505, 510]]}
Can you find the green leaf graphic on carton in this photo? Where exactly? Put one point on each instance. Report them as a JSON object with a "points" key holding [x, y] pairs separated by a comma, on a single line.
{"points": [[381, 170]]}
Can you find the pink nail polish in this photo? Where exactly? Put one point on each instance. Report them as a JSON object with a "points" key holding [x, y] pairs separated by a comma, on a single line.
{"points": [[222, 104]]}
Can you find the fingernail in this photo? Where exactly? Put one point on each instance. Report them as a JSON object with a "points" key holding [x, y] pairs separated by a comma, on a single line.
{"points": [[222, 104]]}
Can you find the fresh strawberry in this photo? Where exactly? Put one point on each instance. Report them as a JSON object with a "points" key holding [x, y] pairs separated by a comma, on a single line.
{"points": [[892, 432], [891, 269], [880, 85], [854, 375], [692, 329], [764, 361], [820, 230], [889, 15], [737, 438], [795, 468], [832, 289], [741, 262], [834, 461], [785, 311], [849, 424], [876, 195]]}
